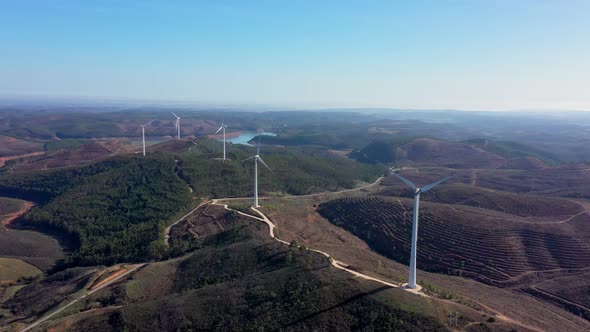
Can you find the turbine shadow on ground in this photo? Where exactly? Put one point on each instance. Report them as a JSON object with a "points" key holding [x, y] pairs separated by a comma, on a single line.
{"points": [[338, 305]]}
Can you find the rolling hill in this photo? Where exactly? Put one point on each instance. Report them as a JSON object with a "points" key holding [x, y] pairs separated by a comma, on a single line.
{"points": [[239, 280], [426, 151], [466, 241]]}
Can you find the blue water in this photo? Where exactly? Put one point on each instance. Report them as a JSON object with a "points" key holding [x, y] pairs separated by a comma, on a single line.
{"points": [[246, 137]]}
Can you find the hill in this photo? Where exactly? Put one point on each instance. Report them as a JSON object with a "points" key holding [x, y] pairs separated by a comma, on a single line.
{"points": [[426, 151], [463, 155], [384, 151], [465, 241], [535, 208], [78, 155], [11, 146], [110, 211], [513, 150], [569, 181], [15, 269], [173, 146], [241, 280], [295, 171]]}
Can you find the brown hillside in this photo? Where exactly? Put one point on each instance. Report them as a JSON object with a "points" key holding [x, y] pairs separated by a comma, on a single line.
{"points": [[206, 221], [10, 146], [465, 241], [426, 151], [78, 156], [536, 208], [173, 145], [547, 181], [524, 163]]}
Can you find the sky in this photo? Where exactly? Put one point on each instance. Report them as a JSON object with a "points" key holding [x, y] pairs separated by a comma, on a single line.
{"points": [[444, 54]]}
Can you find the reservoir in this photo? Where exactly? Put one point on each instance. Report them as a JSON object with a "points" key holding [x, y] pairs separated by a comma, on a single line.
{"points": [[246, 137]]}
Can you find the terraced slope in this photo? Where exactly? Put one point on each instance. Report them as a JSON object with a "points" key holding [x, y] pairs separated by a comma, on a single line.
{"points": [[571, 182], [242, 280], [173, 145], [426, 151], [77, 156], [534, 208], [465, 241]]}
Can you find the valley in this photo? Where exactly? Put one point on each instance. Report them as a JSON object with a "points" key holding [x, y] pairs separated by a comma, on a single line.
{"points": [[99, 236]]}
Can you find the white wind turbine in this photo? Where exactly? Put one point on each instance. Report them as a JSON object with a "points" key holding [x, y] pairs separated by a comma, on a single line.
{"points": [[223, 126], [143, 134], [257, 158], [417, 192], [177, 124]]}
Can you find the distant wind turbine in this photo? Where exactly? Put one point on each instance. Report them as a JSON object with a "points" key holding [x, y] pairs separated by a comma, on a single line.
{"points": [[177, 124], [417, 192], [223, 126], [143, 134], [257, 158]]}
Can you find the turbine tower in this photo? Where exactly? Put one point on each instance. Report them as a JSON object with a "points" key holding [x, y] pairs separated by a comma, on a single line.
{"points": [[257, 158], [143, 134], [223, 126], [417, 192], [177, 124]]}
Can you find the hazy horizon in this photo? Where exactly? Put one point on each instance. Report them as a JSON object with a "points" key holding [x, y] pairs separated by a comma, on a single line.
{"points": [[432, 55]]}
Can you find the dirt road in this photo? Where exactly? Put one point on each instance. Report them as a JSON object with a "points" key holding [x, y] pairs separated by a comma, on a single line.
{"points": [[96, 289], [167, 230], [8, 218], [3, 160]]}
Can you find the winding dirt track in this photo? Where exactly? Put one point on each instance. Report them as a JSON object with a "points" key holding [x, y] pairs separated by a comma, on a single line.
{"points": [[169, 228], [343, 266], [95, 289], [8, 218]]}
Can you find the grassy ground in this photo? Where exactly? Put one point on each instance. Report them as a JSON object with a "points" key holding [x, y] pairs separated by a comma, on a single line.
{"points": [[15, 269], [9, 292], [243, 280], [9, 205], [298, 220]]}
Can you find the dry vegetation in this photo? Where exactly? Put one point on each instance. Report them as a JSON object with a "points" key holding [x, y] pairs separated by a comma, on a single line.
{"points": [[31, 247], [12, 270], [242, 280], [298, 220], [77, 156], [531, 208], [425, 151], [11, 146], [465, 241]]}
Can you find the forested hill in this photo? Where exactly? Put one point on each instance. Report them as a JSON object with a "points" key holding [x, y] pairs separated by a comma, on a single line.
{"points": [[115, 210]]}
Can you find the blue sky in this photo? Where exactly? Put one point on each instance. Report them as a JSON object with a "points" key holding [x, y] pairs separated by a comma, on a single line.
{"points": [[415, 54]]}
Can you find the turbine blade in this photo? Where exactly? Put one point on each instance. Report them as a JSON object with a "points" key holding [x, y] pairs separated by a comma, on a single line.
{"points": [[247, 159], [176, 116], [432, 185], [406, 181], [219, 129], [265, 165], [387, 169]]}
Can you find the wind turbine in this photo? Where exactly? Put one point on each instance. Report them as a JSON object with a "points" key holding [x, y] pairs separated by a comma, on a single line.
{"points": [[257, 158], [223, 126], [143, 134], [417, 192], [177, 124]]}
